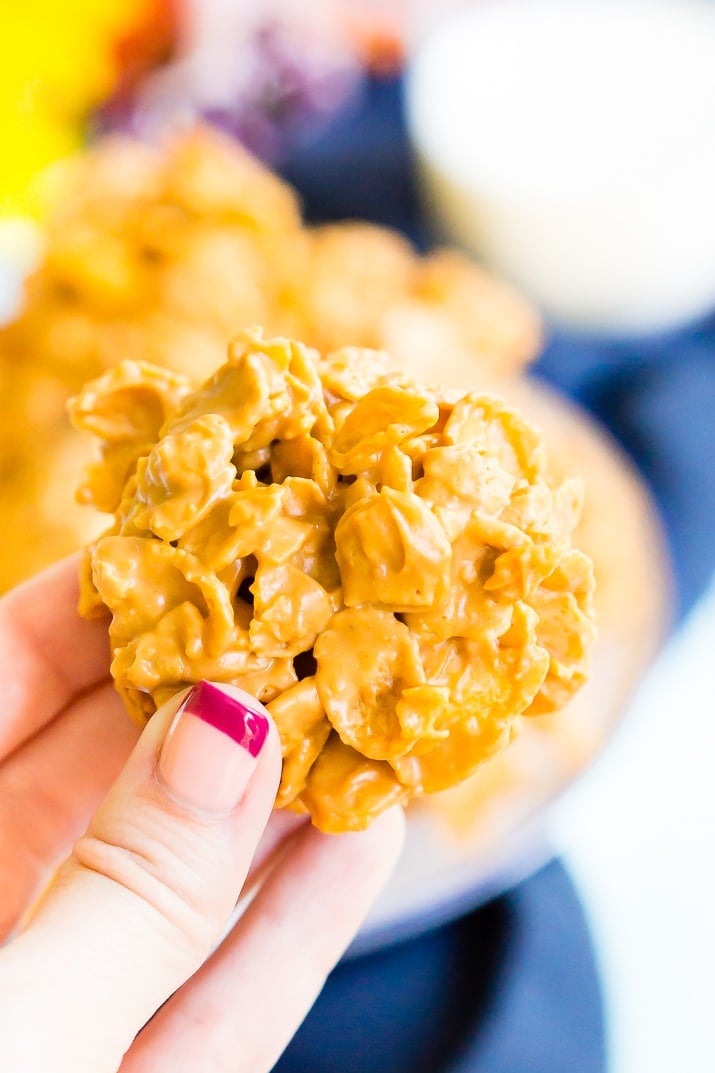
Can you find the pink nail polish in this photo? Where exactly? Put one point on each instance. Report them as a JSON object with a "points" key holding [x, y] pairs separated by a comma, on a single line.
{"points": [[210, 751]]}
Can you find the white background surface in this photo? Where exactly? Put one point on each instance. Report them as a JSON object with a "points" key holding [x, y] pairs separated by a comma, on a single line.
{"points": [[638, 836]]}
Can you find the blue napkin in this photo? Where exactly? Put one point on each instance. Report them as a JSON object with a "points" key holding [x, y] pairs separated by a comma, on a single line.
{"points": [[511, 988], [656, 395]]}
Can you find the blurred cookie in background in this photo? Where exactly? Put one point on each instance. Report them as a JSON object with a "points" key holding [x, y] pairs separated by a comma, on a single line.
{"points": [[161, 254]]}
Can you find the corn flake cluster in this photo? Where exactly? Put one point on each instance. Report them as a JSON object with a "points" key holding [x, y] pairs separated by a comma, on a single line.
{"points": [[388, 567]]}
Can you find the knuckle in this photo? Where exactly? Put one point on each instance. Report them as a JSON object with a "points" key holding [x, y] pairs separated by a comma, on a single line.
{"points": [[152, 882]]}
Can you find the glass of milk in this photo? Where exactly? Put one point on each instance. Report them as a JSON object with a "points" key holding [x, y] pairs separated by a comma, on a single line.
{"points": [[570, 144]]}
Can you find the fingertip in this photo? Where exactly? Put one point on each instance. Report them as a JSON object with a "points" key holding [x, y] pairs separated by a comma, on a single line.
{"points": [[271, 745], [269, 756], [218, 741], [201, 700]]}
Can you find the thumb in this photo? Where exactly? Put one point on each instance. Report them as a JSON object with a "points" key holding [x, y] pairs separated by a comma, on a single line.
{"points": [[148, 889]]}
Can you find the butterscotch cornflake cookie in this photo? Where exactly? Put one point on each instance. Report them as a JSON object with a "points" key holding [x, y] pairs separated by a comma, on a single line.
{"points": [[387, 566]]}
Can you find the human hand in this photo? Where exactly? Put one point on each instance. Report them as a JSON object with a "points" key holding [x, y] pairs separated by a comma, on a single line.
{"points": [[145, 895]]}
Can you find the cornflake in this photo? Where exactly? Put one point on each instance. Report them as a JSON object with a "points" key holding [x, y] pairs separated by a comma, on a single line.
{"points": [[388, 567]]}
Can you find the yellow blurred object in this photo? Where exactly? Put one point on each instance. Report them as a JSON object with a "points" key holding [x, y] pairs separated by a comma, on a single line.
{"points": [[57, 61]]}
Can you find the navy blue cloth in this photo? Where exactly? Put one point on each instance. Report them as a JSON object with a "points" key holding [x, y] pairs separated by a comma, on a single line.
{"points": [[512, 987], [361, 167], [656, 395]]}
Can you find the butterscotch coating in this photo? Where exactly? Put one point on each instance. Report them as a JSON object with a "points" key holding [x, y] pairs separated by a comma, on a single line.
{"points": [[387, 566]]}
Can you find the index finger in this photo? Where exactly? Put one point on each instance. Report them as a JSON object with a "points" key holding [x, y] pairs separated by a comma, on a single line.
{"points": [[48, 653], [276, 959]]}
